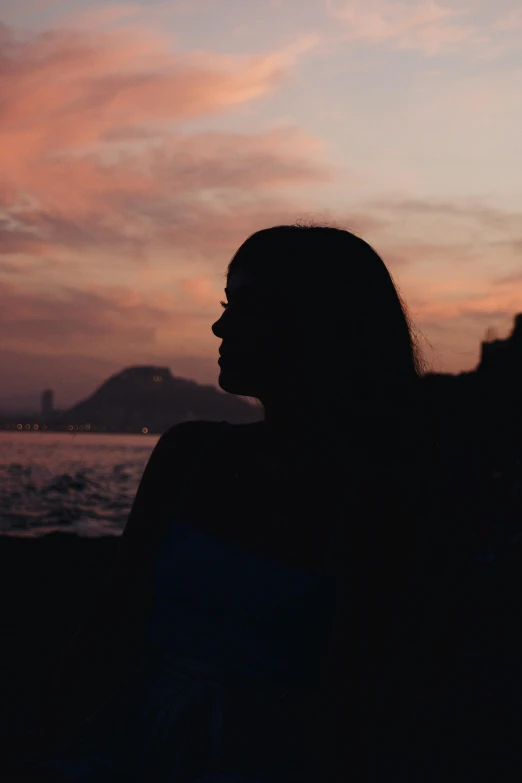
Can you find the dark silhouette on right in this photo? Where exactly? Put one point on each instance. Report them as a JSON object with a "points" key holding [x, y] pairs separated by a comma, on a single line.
{"points": [[288, 597], [482, 418]]}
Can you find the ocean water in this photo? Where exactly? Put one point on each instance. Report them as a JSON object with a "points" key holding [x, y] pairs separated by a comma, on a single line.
{"points": [[82, 483]]}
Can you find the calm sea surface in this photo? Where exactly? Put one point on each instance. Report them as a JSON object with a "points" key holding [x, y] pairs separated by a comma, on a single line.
{"points": [[81, 483]]}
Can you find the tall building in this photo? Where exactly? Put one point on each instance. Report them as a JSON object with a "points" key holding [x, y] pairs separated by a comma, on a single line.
{"points": [[47, 405], [501, 360]]}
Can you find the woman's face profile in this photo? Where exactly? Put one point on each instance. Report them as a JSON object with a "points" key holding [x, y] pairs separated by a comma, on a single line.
{"points": [[251, 330]]}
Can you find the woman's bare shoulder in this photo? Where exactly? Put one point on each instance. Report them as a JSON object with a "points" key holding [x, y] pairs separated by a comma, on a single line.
{"points": [[193, 434], [202, 427], [187, 430]]}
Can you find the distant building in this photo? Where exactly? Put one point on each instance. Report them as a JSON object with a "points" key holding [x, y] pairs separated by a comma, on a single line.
{"points": [[47, 404], [501, 360]]}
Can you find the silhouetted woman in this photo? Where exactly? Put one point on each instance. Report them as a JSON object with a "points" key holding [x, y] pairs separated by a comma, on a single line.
{"points": [[264, 617]]}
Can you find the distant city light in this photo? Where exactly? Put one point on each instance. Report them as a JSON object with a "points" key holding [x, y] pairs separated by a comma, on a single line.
{"points": [[145, 430], [157, 378]]}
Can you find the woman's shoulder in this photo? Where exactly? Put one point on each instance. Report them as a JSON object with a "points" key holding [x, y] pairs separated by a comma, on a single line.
{"points": [[192, 465], [199, 430], [199, 443], [192, 428]]}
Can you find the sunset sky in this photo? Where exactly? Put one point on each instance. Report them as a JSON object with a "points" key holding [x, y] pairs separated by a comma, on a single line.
{"points": [[141, 143]]}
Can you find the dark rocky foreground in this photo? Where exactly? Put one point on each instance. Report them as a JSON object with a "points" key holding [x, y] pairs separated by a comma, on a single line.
{"points": [[49, 583], [47, 586]]}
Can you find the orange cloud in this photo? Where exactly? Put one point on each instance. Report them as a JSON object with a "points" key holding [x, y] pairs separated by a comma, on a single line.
{"points": [[201, 290], [69, 90]]}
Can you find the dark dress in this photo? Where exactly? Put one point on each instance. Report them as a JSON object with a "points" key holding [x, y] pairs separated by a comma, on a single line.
{"points": [[211, 640], [230, 660]]}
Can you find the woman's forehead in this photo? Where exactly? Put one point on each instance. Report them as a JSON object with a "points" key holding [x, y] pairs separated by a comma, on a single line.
{"points": [[243, 278]]}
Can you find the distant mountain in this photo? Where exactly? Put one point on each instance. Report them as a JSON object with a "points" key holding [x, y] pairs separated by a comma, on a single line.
{"points": [[151, 397]]}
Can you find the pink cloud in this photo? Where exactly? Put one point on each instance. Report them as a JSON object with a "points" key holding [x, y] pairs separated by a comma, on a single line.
{"points": [[410, 254], [474, 210], [510, 20], [430, 27], [96, 175], [67, 90], [90, 155], [100, 16]]}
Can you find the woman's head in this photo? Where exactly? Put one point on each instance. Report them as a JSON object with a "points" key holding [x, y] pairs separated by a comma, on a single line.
{"points": [[313, 311]]}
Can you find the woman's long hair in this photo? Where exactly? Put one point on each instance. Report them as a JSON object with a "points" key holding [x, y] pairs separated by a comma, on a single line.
{"points": [[390, 545], [352, 333], [337, 279], [342, 291]]}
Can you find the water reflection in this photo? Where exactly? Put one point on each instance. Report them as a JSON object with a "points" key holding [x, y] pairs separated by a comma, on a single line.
{"points": [[83, 483]]}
